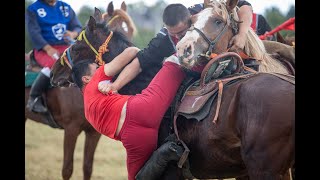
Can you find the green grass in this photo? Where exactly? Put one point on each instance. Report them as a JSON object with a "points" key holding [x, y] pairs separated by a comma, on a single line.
{"points": [[44, 155]]}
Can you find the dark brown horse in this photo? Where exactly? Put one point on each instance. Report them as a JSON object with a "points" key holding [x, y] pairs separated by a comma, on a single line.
{"points": [[66, 112], [66, 109], [253, 134]]}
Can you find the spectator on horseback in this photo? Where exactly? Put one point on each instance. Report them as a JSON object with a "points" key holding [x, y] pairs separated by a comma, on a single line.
{"points": [[132, 119], [52, 26], [176, 19]]}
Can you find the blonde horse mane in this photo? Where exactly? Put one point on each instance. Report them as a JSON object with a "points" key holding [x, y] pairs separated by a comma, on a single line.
{"points": [[254, 46], [127, 19]]}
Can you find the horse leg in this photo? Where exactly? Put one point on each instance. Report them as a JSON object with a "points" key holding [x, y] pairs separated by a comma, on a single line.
{"points": [[70, 139], [91, 141]]}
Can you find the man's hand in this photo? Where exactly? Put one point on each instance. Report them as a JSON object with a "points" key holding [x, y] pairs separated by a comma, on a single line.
{"points": [[52, 52], [238, 42], [69, 36], [107, 88]]}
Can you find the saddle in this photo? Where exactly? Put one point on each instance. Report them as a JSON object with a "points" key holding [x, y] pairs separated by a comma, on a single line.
{"points": [[222, 70]]}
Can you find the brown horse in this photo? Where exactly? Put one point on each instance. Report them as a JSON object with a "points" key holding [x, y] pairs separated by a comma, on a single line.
{"points": [[198, 42], [119, 20], [253, 134], [66, 112], [65, 106]]}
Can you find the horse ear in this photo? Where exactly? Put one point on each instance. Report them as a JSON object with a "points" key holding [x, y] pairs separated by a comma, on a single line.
{"points": [[97, 14], [231, 4], [123, 6], [280, 38], [91, 24], [110, 8]]}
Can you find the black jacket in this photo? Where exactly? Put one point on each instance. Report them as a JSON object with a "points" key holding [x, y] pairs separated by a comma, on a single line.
{"points": [[162, 46]]}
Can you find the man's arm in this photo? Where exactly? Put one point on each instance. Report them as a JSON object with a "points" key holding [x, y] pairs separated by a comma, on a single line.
{"points": [[127, 74], [34, 30], [158, 48], [239, 40], [116, 65], [38, 41]]}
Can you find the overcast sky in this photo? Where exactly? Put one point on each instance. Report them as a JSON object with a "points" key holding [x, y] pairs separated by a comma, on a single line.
{"points": [[258, 5]]}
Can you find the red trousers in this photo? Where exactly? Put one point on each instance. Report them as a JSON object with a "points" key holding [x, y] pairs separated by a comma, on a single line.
{"points": [[139, 133], [44, 60]]}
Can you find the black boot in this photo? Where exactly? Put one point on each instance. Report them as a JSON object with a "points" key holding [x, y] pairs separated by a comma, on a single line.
{"points": [[157, 163], [35, 101]]}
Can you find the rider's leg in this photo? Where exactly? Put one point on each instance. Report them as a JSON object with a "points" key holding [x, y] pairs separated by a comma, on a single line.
{"points": [[41, 84], [157, 163]]}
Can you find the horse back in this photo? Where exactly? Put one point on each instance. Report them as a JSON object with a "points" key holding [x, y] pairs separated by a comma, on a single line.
{"points": [[265, 122], [64, 104], [256, 118]]}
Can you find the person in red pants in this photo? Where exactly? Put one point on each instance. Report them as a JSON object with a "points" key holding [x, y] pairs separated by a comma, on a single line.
{"points": [[132, 119]]}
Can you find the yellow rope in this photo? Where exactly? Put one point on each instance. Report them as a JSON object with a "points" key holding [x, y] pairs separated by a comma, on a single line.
{"points": [[112, 19], [83, 35], [102, 49], [61, 58]]}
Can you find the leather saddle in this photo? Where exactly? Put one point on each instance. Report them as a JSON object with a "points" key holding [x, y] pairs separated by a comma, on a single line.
{"points": [[222, 70]]}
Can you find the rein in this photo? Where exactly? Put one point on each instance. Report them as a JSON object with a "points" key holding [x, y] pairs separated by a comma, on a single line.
{"points": [[66, 58], [112, 19]]}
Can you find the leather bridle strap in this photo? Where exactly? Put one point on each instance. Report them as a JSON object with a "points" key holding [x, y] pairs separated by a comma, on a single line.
{"points": [[211, 43]]}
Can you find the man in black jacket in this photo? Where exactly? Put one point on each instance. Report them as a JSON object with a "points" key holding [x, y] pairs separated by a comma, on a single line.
{"points": [[176, 19]]}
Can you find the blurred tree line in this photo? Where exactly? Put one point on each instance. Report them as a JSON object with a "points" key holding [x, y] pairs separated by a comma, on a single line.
{"points": [[149, 20], [275, 17]]}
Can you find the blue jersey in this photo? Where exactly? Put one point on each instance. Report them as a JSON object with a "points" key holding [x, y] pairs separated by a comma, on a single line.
{"points": [[47, 24]]}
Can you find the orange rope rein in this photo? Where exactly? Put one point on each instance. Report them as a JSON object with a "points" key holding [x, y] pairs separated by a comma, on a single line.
{"points": [[103, 49]]}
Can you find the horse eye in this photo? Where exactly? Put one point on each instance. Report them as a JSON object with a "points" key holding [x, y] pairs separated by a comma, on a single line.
{"points": [[218, 22]]}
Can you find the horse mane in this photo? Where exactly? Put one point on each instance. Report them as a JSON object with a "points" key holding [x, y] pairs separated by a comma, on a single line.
{"points": [[126, 19], [254, 46]]}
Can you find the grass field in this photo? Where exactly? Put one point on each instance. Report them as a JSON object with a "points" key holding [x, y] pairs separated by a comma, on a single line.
{"points": [[44, 154]]}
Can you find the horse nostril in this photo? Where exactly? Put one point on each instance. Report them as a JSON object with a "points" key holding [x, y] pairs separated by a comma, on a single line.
{"points": [[187, 52]]}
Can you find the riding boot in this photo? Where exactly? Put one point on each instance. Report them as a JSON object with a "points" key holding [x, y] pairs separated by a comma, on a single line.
{"points": [[35, 101], [155, 166]]}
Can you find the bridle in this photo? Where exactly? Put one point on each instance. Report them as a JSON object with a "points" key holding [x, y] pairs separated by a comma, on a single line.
{"points": [[66, 58], [112, 19], [213, 42]]}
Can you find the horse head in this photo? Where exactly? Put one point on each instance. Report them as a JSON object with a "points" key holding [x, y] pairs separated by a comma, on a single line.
{"points": [[95, 43], [119, 20], [210, 32]]}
